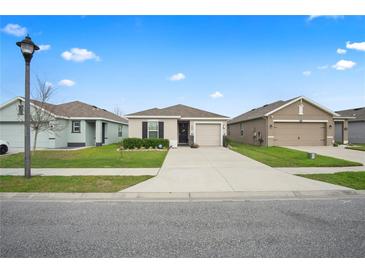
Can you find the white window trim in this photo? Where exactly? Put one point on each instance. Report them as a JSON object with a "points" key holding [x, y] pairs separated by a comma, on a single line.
{"points": [[73, 126], [209, 122], [158, 130]]}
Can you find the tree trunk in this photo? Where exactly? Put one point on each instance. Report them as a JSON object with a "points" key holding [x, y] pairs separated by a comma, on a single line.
{"points": [[35, 139]]}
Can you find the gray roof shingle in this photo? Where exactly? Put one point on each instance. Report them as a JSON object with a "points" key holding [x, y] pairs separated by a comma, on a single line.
{"points": [[80, 109], [177, 110], [258, 112], [358, 113]]}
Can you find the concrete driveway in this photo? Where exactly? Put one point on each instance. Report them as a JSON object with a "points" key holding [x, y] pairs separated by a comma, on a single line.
{"points": [[217, 169], [337, 152]]}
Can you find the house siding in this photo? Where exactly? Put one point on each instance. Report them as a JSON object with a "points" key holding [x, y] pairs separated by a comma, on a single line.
{"points": [[250, 127], [170, 128]]}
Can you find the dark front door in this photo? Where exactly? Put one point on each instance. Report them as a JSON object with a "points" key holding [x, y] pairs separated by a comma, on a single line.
{"points": [[103, 132], [183, 132]]}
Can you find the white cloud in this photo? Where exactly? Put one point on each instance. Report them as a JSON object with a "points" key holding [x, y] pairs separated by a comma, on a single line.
{"points": [[341, 51], [312, 17], [216, 95], [44, 47], [344, 65], [307, 73], [177, 77], [79, 55], [66, 83], [323, 67], [15, 29], [356, 46]]}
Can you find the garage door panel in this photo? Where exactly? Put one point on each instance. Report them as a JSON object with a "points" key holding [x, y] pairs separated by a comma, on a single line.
{"points": [[299, 134], [14, 134], [208, 134]]}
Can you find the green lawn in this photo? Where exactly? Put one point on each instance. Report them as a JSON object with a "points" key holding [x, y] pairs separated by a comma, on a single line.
{"points": [[284, 157], [94, 157], [353, 179], [68, 183], [360, 147]]}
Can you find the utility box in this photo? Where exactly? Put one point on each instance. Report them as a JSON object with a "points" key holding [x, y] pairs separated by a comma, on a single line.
{"points": [[311, 155]]}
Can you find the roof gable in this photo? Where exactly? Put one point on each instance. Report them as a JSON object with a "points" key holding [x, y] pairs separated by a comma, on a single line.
{"points": [[269, 109]]}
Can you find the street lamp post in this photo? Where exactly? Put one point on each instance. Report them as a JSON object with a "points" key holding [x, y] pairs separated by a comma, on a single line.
{"points": [[27, 48]]}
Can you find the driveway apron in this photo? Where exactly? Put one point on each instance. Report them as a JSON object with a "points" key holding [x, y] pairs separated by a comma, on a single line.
{"points": [[218, 169]]}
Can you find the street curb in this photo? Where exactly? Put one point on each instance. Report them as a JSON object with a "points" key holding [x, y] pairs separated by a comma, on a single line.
{"points": [[182, 196]]}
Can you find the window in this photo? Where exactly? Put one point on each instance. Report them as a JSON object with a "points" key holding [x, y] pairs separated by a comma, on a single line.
{"points": [[120, 131], [20, 109], [301, 109], [241, 129], [76, 126], [152, 129]]}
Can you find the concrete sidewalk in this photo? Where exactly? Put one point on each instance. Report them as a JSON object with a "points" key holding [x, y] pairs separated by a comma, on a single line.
{"points": [[316, 170], [81, 171], [336, 152]]}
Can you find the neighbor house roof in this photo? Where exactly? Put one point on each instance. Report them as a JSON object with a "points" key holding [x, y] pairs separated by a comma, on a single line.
{"points": [[177, 111], [76, 109], [357, 113], [268, 109]]}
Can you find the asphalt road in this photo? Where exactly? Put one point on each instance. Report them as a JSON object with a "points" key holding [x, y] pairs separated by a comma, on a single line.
{"points": [[291, 228]]}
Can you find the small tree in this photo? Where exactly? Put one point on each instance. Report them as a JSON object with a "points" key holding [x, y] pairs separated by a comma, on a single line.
{"points": [[42, 118], [118, 111]]}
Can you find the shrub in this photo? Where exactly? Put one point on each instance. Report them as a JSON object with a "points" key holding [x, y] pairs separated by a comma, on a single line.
{"points": [[133, 143], [154, 143]]}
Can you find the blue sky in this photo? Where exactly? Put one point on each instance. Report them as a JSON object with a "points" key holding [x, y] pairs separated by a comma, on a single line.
{"points": [[225, 64]]}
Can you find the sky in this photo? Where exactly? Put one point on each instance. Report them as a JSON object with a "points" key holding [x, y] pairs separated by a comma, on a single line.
{"points": [[223, 64]]}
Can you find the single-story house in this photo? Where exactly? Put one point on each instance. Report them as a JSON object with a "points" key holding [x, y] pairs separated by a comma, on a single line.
{"points": [[294, 122], [350, 126], [74, 124], [181, 124]]}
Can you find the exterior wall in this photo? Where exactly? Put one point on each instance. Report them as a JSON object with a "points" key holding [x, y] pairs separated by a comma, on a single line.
{"points": [[170, 128], [90, 133], [76, 139], [112, 133], [249, 129], [12, 130], [310, 113]]}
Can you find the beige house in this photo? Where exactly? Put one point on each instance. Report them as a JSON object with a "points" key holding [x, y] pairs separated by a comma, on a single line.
{"points": [[181, 124], [295, 122]]}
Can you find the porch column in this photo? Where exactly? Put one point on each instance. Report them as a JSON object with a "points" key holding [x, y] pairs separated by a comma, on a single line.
{"points": [[98, 133], [345, 132]]}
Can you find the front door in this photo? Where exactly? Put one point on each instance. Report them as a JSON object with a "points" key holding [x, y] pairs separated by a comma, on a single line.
{"points": [[183, 132]]}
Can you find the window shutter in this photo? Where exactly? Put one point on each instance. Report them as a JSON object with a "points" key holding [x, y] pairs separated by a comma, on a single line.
{"points": [[144, 130], [160, 130]]}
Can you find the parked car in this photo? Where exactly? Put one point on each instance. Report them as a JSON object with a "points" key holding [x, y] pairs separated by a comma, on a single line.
{"points": [[4, 147]]}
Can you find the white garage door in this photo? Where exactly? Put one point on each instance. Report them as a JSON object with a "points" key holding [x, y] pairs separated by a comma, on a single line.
{"points": [[208, 134], [13, 133], [299, 134]]}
